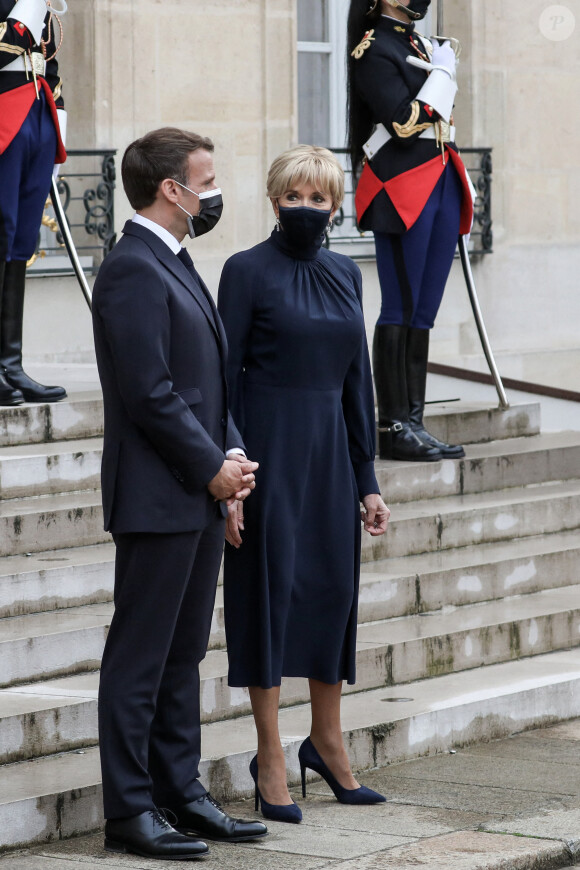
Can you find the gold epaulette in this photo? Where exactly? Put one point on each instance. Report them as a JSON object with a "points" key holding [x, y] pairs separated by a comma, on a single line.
{"points": [[411, 127], [3, 28], [363, 45]]}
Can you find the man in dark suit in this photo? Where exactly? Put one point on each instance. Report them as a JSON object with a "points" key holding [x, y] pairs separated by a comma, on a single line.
{"points": [[172, 461]]}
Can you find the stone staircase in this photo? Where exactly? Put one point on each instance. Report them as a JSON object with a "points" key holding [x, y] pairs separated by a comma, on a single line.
{"points": [[468, 631]]}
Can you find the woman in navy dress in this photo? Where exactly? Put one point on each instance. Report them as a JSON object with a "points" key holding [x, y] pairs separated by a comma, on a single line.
{"points": [[301, 393]]}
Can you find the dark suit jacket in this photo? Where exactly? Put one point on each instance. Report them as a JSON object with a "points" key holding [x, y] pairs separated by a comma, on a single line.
{"points": [[161, 354]]}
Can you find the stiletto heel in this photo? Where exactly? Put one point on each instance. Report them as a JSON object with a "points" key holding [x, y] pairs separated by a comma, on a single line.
{"points": [[309, 757], [275, 812], [256, 797]]}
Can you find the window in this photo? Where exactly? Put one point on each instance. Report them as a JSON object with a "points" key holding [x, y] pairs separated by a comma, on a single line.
{"points": [[321, 71]]}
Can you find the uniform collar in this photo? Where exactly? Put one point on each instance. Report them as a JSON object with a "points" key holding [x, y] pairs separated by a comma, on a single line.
{"points": [[393, 24]]}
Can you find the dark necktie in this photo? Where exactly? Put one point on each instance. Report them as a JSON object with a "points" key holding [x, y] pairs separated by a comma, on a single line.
{"points": [[183, 255], [187, 261]]}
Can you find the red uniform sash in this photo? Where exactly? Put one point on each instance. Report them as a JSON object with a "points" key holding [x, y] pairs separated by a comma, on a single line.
{"points": [[410, 190], [15, 106]]}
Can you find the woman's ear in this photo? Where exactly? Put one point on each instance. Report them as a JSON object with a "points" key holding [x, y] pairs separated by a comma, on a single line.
{"points": [[275, 207]]}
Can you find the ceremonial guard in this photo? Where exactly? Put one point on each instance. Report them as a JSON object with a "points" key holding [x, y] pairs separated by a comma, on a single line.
{"points": [[413, 193], [32, 130]]}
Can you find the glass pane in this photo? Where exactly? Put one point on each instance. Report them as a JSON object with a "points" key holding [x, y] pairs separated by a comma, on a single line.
{"points": [[313, 20], [313, 90]]}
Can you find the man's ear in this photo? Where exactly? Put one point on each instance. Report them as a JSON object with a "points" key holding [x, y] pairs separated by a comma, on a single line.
{"points": [[168, 190]]}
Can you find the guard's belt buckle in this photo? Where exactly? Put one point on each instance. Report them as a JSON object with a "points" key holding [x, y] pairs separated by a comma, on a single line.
{"points": [[38, 63], [444, 132]]}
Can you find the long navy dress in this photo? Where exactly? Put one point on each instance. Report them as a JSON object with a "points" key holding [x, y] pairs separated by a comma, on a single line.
{"points": [[301, 394]]}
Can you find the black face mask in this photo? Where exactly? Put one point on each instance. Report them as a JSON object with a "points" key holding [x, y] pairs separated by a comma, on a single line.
{"points": [[210, 211], [303, 226], [416, 9]]}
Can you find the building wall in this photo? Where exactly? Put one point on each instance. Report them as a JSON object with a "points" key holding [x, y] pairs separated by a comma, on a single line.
{"points": [[518, 92], [228, 70]]}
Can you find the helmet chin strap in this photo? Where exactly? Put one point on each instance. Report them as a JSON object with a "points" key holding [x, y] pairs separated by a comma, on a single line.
{"points": [[415, 16]]}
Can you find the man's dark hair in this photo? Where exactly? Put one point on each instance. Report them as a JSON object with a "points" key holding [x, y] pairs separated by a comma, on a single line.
{"points": [[157, 155]]}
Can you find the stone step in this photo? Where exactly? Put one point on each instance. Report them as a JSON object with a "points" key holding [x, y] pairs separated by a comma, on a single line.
{"points": [[434, 524], [492, 466], [46, 469], [78, 416], [55, 467], [51, 522], [475, 422], [44, 718], [430, 581], [415, 584], [55, 579], [43, 645], [397, 651], [60, 795], [81, 416], [389, 652]]}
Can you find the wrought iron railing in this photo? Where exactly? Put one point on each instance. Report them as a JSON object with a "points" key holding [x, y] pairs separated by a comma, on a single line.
{"points": [[346, 236], [86, 185]]}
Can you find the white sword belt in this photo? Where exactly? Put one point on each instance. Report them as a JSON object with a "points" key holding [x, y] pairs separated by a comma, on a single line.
{"points": [[381, 136], [33, 63]]}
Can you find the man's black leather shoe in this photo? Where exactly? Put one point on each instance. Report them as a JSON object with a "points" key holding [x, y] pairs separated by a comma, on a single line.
{"points": [[205, 818], [149, 834]]}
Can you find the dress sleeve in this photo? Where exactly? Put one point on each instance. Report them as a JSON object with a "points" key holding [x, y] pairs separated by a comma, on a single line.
{"points": [[235, 307], [384, 89], [359, 413]]}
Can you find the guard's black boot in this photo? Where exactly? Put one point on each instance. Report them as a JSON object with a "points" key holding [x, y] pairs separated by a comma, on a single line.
{"points": [[396, 437], [417, 356], [11, 338], [8, 395]]}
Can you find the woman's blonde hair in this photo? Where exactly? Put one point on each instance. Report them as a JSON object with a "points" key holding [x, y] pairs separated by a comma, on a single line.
{"points": [[307, 164]]}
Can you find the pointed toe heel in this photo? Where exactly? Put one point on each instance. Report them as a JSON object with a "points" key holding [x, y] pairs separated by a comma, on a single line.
{"points": [[275, 812], [309, 758]]}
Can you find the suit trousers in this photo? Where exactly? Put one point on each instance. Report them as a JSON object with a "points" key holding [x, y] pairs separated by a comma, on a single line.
{"points": [[413, 267], [149, 706]]}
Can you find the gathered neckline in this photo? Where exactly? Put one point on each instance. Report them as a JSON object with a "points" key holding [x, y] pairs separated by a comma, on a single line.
{"points": [[280, 240]]}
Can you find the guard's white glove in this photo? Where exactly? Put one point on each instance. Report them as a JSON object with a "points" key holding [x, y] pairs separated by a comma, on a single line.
{"points": [[443, 57], [441, 86], [62, 116]]}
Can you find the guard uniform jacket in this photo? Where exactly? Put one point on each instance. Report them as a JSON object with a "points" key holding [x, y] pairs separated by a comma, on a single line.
{"points": [[396, 184], [17, 90]]}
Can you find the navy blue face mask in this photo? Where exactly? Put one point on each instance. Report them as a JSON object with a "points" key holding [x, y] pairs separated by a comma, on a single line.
{"points": [[303, 226]]}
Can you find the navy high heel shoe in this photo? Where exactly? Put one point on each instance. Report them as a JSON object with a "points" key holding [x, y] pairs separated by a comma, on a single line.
{"points": [[275, 812], [309, 758]]}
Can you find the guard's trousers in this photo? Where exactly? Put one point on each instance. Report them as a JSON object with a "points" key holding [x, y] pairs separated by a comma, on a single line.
{"points": [[25, 175], [413, 267]]}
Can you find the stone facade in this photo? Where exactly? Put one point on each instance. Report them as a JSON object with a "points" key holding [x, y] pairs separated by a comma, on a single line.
{"points": [[228, 69]]}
